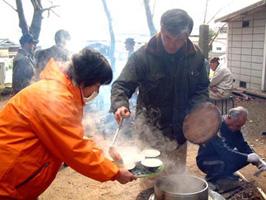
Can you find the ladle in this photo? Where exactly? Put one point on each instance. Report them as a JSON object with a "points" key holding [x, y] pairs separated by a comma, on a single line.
{"points": [[112, 150]]}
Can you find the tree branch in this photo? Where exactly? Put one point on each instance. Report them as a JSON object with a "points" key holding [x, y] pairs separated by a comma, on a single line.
{"points": [[111, 32], [22, 20], [36, 23], [215, 35], [50, 8], [54, 12], [206, 10], [36, 4], [11, 6], [149, 17]]}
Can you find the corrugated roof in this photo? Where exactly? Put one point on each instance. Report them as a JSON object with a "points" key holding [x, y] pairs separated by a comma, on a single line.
{"points": [[6, 43], [249, 9]]}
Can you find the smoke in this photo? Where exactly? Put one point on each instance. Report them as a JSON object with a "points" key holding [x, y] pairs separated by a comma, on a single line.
{"points": [[101, 126], [134, 137]]}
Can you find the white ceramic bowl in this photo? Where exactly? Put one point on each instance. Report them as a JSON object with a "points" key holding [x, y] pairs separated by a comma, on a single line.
{"points": [[129, 166], [152, 164], [150, 153]]}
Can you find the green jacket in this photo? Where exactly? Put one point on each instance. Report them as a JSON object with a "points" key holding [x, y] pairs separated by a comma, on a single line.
{"points": [[169, 85], [23, 70]]}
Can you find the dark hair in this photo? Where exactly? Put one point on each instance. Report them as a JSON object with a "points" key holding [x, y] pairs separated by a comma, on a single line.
{"points": [[89, 67], [215, 60], [177, 21], [27, 39], [61, 36], [130, 41]]}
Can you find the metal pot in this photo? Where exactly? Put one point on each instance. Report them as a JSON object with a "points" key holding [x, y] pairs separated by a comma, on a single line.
{"points": [[182, 187]]}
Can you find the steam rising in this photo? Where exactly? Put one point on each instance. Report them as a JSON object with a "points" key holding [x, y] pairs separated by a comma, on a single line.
{"points": [[181, 184], [134, 137]]}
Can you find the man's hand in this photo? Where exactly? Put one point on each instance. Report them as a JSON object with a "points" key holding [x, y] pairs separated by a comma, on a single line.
{"points": [[214, 89], [124, 176], [120, 113], [253, 158]]}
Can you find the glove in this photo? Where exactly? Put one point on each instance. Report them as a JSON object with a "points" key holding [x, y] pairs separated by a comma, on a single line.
{"points": [[261, 167], [253, 158]]}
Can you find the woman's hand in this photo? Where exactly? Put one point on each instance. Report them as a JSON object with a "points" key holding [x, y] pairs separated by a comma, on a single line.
{"points": [[124, 176]]}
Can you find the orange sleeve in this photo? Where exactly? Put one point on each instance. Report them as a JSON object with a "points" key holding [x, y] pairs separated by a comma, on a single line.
{"points": [[57, 124]]}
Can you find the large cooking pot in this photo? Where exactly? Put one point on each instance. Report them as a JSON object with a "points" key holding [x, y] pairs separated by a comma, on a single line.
{"points": [[181, 187]]}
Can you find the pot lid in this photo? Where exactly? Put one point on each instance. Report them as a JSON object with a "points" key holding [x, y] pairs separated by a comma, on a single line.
{"points": [[202, 123]]}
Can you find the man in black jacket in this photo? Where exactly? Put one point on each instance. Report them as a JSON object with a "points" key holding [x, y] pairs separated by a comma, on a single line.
{"points": [[59, 51], [170, 75], [229, 152]]}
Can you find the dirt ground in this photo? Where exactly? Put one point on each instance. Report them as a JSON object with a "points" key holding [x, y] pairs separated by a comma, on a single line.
{"points": [[71, 185]]}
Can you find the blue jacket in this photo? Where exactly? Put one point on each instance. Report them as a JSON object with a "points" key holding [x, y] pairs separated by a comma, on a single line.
{"points": [[230, 146]]}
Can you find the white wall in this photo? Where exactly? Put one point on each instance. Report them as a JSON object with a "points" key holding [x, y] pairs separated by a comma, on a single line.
{"points": [[246, 49]]}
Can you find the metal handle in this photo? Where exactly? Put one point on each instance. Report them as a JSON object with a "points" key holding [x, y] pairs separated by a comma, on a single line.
{"points": [[116, 132]]}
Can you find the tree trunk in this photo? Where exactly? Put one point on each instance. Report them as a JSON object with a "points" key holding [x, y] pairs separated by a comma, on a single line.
{"points": [[111, 32], [205, 11], [36, 22], [22, 20], [149, 18]]}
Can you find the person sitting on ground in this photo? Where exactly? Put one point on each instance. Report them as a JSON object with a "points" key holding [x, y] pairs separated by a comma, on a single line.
{"points": [[129, 45], [223, 155], [41, 127], [221, 84], [23, 64], [59, 51]]}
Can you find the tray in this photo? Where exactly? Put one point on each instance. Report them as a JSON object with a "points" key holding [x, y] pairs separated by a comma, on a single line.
{"points": [[141, 172]]}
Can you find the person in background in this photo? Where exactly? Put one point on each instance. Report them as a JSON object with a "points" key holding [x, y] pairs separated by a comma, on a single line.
{"points": [[171, 77], [207, 65], [59, 51], [221, 84], [41, 127], [129, 45], [23, 64], [227, 153]]}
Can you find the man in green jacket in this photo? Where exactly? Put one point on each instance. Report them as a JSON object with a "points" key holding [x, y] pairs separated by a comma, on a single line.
{"points": [[171, 77], [23, 64]]}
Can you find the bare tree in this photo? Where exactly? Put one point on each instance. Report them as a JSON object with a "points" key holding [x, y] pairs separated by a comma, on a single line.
{"points": [[205, 11], [149, 16], [111, 32], [213, 35], [36, 23]]}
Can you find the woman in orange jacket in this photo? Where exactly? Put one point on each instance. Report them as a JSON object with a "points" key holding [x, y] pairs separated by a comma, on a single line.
{"points": [[40, 127]]}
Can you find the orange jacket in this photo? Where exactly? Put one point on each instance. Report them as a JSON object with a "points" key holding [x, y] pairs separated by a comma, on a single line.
{"points": [[40, 128]]}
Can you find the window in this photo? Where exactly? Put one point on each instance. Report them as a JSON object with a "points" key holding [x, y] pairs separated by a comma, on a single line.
{"points": [[243, 84], [245, 23], [219, 48]]}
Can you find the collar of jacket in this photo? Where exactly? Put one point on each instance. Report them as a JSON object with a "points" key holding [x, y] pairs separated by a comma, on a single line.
{"points": [[155, 46], [54, 71], [24, 52]]}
